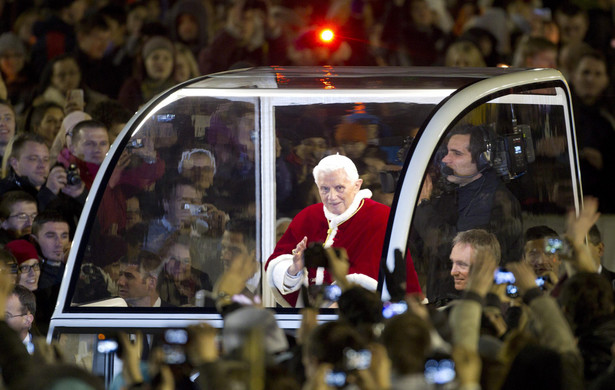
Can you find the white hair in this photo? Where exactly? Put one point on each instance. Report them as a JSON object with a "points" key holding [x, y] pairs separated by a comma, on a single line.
{"points": [[334, 163], [188, 153]]}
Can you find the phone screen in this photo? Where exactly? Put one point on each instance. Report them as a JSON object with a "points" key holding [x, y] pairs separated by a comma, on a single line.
{"points": [[106, 346], [336, 378], [503, 276], [391, 309], [439, 371]]}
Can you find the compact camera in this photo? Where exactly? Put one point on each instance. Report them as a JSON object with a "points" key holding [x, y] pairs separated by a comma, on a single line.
{"points": [[315, 255], [195, 209], [72, 175]]}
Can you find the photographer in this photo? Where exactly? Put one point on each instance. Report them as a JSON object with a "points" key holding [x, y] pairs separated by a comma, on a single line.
{"points": [[28, 169]]}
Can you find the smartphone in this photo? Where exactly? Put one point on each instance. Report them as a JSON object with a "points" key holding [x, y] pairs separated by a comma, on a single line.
{"points": [[332, 293], [391, 309], [540, 281], [336, 379], [512, 291], [76, 96], [503, 276], [553, 245], [107, 346], [357, 360], [557, 246], [174, 346], [439, 371]]}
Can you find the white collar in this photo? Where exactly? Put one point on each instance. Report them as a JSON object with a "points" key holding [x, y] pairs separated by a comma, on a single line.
{"points": [[337, 219], [158, 302]]}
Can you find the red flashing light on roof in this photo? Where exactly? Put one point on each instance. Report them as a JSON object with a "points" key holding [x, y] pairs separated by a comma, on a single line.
{"points": [[326, 35]]}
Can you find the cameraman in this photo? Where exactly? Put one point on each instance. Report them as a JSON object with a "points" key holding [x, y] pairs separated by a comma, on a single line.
{"points": [[469, 196]]}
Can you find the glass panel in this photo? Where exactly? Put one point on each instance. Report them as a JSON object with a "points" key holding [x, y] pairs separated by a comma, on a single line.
{"points": [[179, 205], [504, 167], [376, 136]]}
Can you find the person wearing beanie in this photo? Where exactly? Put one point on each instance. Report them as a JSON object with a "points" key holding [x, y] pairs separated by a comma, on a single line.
{"points": [[154, 76], [28, 263], [14, 71], [60, 150]]}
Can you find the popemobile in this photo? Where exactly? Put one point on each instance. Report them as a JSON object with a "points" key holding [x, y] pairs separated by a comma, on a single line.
{"points": [[219, 165]]}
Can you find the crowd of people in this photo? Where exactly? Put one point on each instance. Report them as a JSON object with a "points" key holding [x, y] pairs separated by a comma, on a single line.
{"points": [[546, 322], [74, 71]]}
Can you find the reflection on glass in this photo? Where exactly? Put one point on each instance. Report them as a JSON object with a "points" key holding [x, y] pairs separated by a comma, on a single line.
{"points": [[501, 168], [180, 179]]}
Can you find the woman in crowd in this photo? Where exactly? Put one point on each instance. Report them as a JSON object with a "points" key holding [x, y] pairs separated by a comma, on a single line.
{"points": [[45, 120], [60, 76], [153, 76]]}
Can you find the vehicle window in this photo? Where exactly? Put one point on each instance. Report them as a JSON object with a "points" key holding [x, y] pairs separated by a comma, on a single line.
{"points": [[375, 136], [502, 167], [178, 208]]}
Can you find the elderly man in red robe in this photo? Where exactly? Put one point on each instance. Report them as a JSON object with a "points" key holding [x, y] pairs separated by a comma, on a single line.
{"points": [[346, 218]]}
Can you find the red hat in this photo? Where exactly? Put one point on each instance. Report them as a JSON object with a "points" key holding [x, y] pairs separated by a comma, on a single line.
{"points": [[23, 250]]}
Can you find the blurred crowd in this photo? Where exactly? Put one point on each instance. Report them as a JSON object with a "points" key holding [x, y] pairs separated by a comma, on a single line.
{"points": [[73, 72], [107, 58]]}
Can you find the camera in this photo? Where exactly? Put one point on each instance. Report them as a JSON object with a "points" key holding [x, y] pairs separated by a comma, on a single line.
{"points": [[72, 175], [315, 256], [391, 309]]}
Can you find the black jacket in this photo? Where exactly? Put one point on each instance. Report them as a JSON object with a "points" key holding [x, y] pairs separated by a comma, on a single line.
{"points": [[485, 203]]}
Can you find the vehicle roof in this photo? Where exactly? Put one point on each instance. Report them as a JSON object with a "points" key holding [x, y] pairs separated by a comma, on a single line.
{"points": [[329, 77]]}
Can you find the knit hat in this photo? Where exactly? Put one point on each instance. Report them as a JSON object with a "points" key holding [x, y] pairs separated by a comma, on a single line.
{"points": [[155, 43], [10, 41], [23, 250], [71, 120]]}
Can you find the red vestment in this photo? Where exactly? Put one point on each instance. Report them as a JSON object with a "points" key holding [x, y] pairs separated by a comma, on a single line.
{"points": [[362, 235]]}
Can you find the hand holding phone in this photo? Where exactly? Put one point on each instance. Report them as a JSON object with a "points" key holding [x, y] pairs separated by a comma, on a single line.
{"points": [[74, 101]]}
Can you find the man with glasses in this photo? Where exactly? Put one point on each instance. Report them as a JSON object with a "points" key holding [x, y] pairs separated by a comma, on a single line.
{"points": [[19, 314], [17, 212]]}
